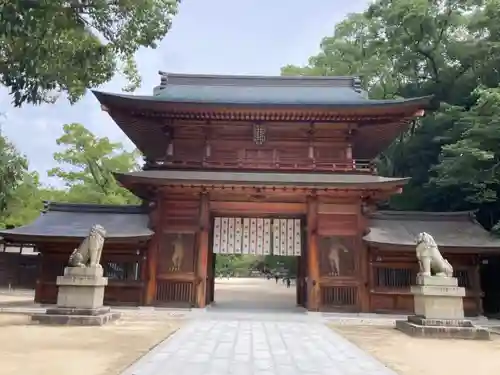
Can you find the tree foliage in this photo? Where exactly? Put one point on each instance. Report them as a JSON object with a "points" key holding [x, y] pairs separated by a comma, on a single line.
{"points": [[13, 169], [53, 46], [446, 48], [89, 163]]}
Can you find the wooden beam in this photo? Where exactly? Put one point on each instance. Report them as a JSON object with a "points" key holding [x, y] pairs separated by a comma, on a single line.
{"points": [[258, 208], [313, 274], [203, 248]]}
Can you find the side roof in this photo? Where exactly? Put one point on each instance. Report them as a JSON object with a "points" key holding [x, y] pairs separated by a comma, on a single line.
{"points": [[72, 221], [449, 229]]}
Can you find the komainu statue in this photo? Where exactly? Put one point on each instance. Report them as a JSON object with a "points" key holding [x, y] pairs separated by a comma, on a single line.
{"points": [[430, 259], [88, 254]]}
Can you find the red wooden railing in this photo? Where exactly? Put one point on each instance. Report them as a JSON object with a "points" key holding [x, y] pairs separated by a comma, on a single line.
{"points": [[281, 164]]}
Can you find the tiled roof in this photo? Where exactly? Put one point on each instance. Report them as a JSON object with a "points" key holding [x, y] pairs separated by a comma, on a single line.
{"points": [[259, 178], [259, 90], [449, 229], [68, 220]]}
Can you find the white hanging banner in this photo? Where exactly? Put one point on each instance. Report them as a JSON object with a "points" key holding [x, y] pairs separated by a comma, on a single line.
{"points": [[267, 236], [283, 233], [276, 237], [246, 235], [297, 249], [223, 236], [253, 236], [257, 236], [238, 235], [230, 235], [216, 245]]}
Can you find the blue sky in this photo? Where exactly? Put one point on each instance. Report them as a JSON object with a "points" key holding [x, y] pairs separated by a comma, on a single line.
{"points": [[216, 36]]}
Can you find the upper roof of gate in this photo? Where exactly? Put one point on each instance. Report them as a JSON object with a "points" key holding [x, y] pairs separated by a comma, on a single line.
{"points": [[299, 99]]}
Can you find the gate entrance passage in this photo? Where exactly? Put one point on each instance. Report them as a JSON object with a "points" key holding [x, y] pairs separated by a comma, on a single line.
{"points": [[257, 263]]}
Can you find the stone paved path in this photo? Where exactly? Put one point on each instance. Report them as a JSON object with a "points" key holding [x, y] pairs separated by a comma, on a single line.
{"points": [[226, 346]]}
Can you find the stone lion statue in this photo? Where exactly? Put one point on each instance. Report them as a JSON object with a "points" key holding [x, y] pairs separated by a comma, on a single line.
{"points": [[88, 254], [430, 259]]}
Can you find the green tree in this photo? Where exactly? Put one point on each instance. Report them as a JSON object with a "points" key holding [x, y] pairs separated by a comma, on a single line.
{"points": [[13, 167], [26, 202], [91, 163], [53, 46], [471, 165], [412, 48]]}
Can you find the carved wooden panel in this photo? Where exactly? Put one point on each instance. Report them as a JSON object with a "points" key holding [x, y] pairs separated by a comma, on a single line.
{"points": [[176, 253], [337, 256]]}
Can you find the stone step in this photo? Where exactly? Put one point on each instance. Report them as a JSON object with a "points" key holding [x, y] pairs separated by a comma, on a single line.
{"points": [[75, 320], [443, 331]]}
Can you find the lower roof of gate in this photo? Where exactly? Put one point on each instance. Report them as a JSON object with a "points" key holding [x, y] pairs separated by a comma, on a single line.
{"points": [[71, 222], [261, 178]]}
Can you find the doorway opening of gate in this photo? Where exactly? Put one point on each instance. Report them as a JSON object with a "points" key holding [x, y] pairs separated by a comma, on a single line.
{"points": [[256, 263]]}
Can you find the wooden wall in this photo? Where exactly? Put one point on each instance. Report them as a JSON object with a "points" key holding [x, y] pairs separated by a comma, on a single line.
{"points": [[286, 146], [340, 255], [393, 271], [19, 270], [173, 251], [124, 265]]}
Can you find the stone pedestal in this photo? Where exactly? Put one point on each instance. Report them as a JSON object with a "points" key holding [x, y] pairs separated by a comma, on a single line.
{"points": [[79, 299], [439, 311]]}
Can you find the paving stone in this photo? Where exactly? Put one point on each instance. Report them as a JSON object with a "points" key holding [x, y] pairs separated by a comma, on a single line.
{"points": [[233, 345]]}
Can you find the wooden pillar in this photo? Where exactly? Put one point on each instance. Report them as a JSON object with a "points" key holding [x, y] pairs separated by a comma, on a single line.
{"points": [[363, 270], [202, 264], [298, 296], [313, 272], [152, 252], [477, 284], [40, 278]]}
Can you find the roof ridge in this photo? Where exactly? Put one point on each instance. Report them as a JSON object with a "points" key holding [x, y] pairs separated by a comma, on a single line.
{"points": [[93, 207], [431, 215], [180, 79]]}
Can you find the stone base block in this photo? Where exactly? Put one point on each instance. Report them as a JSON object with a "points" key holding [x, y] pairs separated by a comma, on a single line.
{"points": [[438, 298], [60, 318], [81, 288], [417, 326], [78, 311]]}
